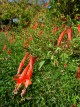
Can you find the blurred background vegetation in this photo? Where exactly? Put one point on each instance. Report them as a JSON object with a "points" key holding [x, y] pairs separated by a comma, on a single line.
{"points": [[22, 11]]}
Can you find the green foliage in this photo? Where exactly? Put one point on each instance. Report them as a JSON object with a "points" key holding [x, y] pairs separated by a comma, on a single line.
{"points": [[54, 82], [67, 7], [21, 10]]}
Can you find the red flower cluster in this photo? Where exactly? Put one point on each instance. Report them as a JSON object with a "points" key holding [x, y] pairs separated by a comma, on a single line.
{"points": [[69, 33], [25, 77], [35, 26], [8, 51], [54, 29]]}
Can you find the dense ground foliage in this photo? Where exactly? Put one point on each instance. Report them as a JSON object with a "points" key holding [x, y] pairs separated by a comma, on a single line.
{"points": [[56, 73]]}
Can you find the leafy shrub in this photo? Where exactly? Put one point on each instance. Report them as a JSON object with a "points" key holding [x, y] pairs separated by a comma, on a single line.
{"points": [[21, 10], [67, 7], [54, 75]]}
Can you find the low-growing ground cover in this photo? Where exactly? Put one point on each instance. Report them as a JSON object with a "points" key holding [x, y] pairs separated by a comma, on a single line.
{"points": [[56, 73]]}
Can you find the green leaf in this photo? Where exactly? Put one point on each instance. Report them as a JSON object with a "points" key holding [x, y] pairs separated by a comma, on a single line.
{"points": [[64, 56], [41, 64]]}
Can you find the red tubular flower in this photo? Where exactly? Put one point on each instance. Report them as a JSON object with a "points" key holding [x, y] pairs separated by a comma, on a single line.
{"points": [[61, 37], [5, 47], [8, 51], [30, 38], [6, 33], [42, 25], [40, 32], [27, 32], [32, 59], [54, 29], [22, 63], [69, 31], [76, 17], [27, 72], [65, 65], [35, 26], [25, 45]]}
